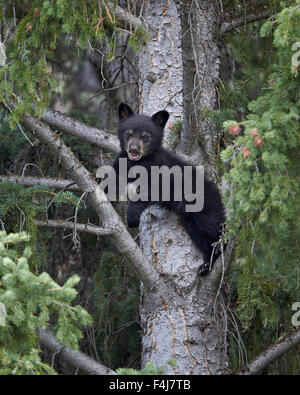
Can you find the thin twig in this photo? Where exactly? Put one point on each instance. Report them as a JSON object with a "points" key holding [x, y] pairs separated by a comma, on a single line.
{"points": [[88, 228]]}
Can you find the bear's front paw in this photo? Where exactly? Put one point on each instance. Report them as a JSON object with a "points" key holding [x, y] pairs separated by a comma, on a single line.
{"points": [[204, 268]]}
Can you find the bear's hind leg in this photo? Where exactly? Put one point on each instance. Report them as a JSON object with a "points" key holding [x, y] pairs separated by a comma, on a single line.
{"points": [[203, 240], [134, 213]]}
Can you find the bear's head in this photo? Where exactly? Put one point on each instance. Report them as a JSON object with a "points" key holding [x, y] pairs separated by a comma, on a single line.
{"points": [[140, 135]]}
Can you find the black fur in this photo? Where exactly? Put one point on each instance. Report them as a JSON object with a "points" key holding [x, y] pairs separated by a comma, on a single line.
{"points": [[142, 134]]}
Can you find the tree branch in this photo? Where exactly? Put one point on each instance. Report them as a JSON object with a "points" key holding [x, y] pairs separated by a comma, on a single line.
{"points": [[77, 359], [227, 26], [272, 353], [109, 217], [78, 129], [55, 183], [216, 276], [126, 17], [88, 228]]}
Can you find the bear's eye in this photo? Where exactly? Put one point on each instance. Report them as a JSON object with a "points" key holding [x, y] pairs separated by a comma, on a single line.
{"points": [[145, 136], [127, 135]]}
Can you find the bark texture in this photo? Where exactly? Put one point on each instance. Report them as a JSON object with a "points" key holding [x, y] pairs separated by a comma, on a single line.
{"points": [[184, 324], [56, 183], [160, 61], [78, 129], [66, 225], [233, 23], [201, 59]]}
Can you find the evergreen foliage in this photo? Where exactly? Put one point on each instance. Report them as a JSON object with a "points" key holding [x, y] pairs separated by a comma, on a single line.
{"points": [[262, 203], [29, 204], [174, 134], [42, 26], [115, 305], [11, 142], [260, 105], [149, 369], [28, 302]]}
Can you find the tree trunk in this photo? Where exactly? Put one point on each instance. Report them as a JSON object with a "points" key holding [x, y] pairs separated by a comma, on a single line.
{"points": [[185, 324], [201, 59]]}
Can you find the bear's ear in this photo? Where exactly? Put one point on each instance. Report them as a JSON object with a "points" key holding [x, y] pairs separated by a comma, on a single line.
{"points": [[160, 118], [124, 111]]}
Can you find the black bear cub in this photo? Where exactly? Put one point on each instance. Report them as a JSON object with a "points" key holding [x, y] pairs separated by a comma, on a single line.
{"points": [[141, 144]]}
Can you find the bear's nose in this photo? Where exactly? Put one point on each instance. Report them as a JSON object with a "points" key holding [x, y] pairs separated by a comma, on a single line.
{"points": [[133, 149]]}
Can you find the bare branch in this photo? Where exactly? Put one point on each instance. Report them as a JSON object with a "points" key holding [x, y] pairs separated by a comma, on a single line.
{"points": [[272, 353], [56, 183], [227, 26], [127, 18], [109, 217], [216, 276], [77, 359], [78, 129], [88, 228]]}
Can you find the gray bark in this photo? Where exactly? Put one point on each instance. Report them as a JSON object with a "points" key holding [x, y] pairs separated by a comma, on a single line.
{"points": [[78, 129], [87, 228], [201, 59], [186, 324], [56, 183], [125, 17], [160, 61], [229, 25]]}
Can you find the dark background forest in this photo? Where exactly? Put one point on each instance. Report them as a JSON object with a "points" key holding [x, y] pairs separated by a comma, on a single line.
{"points": [[77, 58]]}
